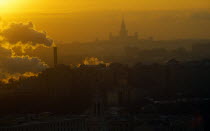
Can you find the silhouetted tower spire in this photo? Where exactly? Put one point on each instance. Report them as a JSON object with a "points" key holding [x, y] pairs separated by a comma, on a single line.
{"points": [[123, 30]]}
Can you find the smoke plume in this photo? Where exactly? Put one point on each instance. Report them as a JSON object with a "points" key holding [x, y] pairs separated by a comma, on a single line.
{"points": [[19, 64], [24, 35], [6, 77], [94, 61], [22, 64]]}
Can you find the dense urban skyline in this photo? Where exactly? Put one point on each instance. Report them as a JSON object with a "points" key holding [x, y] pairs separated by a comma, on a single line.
{"points": [[104, 65]]}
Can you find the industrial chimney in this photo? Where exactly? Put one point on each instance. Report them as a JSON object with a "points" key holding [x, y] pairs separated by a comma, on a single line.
{"points": [[55, 51]]}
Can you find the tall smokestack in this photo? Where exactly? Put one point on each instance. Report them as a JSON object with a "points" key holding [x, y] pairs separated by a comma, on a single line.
{"points": [[55, 51]]}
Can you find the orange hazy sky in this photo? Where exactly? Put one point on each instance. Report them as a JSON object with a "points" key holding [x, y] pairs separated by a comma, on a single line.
{"points": [[81, 5], [84, 20]]}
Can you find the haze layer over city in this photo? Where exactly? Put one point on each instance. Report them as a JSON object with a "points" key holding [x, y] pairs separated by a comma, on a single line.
{"points": [[108, 65]]}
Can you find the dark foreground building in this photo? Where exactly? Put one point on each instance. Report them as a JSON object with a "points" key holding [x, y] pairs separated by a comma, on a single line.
{"points": [[84, 123], [102, 118]]}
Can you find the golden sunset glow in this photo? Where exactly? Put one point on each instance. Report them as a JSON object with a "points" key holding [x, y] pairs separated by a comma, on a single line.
{"points": [[7, 5], [112, 65], [84, 5], [66, 19], [4, 2]]}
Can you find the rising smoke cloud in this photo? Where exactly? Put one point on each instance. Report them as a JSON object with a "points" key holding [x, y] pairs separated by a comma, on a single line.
{"points": [[22, 35], [93, 61], [22, 64], [26, 34], [18, 66], [7, 77]]}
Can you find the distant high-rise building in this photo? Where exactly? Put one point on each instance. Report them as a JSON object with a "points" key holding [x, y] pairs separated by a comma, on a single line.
{"points": [[123, 34], [123, 30]]}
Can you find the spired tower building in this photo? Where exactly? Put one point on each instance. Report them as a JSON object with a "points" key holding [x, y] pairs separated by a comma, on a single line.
{"points": [[123, 30], [123, 34]]}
